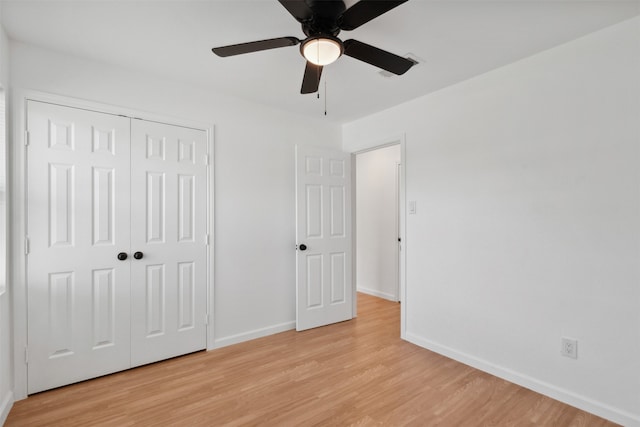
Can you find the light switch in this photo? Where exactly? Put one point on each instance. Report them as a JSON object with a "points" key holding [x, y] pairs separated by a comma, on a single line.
{"points": [[412, 207]]}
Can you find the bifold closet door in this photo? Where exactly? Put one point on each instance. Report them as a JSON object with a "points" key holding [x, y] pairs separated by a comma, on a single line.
{"points": [[169, 236], [117, 238], [78, 222]]}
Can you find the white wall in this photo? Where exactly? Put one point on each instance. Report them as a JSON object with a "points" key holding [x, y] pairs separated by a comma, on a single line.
{"points": [[376, 222], [527, 183], [254, 178], [6, 348]]}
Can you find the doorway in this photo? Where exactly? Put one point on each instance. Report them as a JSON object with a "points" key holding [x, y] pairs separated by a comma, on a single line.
{"points": [[378, 234]]}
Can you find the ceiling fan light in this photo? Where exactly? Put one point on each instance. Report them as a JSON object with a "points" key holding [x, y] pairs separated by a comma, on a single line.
{"points": [[322, 50]]}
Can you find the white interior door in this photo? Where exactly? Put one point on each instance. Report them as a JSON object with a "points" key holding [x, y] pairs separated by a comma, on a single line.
{"points": [[323, 233], [169, 201], [78, 222]]}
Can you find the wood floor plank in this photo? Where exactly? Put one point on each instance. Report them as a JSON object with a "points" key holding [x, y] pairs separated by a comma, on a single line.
{"points": [[356, 373]]}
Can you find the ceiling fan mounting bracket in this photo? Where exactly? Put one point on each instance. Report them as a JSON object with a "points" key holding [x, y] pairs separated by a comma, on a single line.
{"points": [[315, 28], [324, 19]]}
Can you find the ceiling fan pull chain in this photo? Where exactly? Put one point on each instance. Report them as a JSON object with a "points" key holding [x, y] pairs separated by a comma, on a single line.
{"points": [[318, 76], [325, 95]]}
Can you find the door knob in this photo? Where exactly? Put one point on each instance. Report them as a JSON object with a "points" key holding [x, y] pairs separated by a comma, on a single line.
{"points": [[138, 255], [122, 256], [303, 247]]}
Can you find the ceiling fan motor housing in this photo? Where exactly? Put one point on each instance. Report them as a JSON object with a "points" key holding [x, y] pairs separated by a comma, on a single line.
{"points": [[324, 20]]}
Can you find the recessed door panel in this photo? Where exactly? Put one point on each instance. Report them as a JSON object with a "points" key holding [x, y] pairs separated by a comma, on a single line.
{"points": [[155, 147], [103, 140], [186, 208], [187, 151], [103, 205], [338, 277], [314, 211], [186, 295], [61, 135], [313, 165], [61, 200], [103, 307], [155, 299], [337, 167], [60, 314], [338, 211], [314, 280], [155, 207]]}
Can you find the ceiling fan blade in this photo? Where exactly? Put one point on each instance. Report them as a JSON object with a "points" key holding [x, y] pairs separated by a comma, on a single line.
{"points": [[364, 11], [298, 9], [238, 49], [377, 57], [311, 79]]}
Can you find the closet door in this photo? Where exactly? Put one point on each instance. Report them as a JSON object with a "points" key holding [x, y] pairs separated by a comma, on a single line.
{"points": [[78, 222], [169, 208]]}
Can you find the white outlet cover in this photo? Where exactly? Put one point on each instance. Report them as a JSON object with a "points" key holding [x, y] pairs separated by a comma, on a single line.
{"points": [[569, 347]]}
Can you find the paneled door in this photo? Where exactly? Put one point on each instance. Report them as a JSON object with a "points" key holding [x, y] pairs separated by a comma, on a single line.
{"points": [[78, 223], [324, 291], [169, 234], [117, 238]]}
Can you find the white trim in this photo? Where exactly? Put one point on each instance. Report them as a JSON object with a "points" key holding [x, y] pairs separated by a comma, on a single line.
{"points": [[4, 175], [5, 407], [19, 212], [570, 398], [17, 242], [354, 238], [22, 94], [402, 215], [397, 292], [384, 143], [256, 333], [378, 294], [212, 238]]}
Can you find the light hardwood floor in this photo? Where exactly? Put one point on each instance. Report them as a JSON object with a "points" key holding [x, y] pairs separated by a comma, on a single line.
{"points": [[353, 373]]}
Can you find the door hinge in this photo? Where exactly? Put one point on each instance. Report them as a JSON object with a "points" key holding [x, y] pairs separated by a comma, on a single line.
{"points": [[206, 319], [26, 137], [206, 159], [26, 246], [206, 239], [26, 355]]}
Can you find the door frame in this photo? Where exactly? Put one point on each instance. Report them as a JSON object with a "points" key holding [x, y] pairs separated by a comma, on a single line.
{"points": [[375, 145], [16, 265]]}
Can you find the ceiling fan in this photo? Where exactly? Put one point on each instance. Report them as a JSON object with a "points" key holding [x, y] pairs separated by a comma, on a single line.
{"points": [[322, 21]]}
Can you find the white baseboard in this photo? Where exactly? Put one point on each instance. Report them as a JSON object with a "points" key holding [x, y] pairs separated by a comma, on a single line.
{"points": [[7, 403], [379, 294], [251, 335], [582, 402]]}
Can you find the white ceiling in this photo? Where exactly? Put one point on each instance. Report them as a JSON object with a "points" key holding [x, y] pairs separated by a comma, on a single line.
{"points": [[454, 40]]}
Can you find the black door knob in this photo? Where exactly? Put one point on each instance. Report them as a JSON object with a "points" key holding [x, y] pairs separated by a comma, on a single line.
{"points": [[138, 255], [303, 247], [122, 256]]}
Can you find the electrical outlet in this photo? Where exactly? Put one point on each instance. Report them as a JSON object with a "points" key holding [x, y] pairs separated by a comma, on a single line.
{"points": [[569, 348]]}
